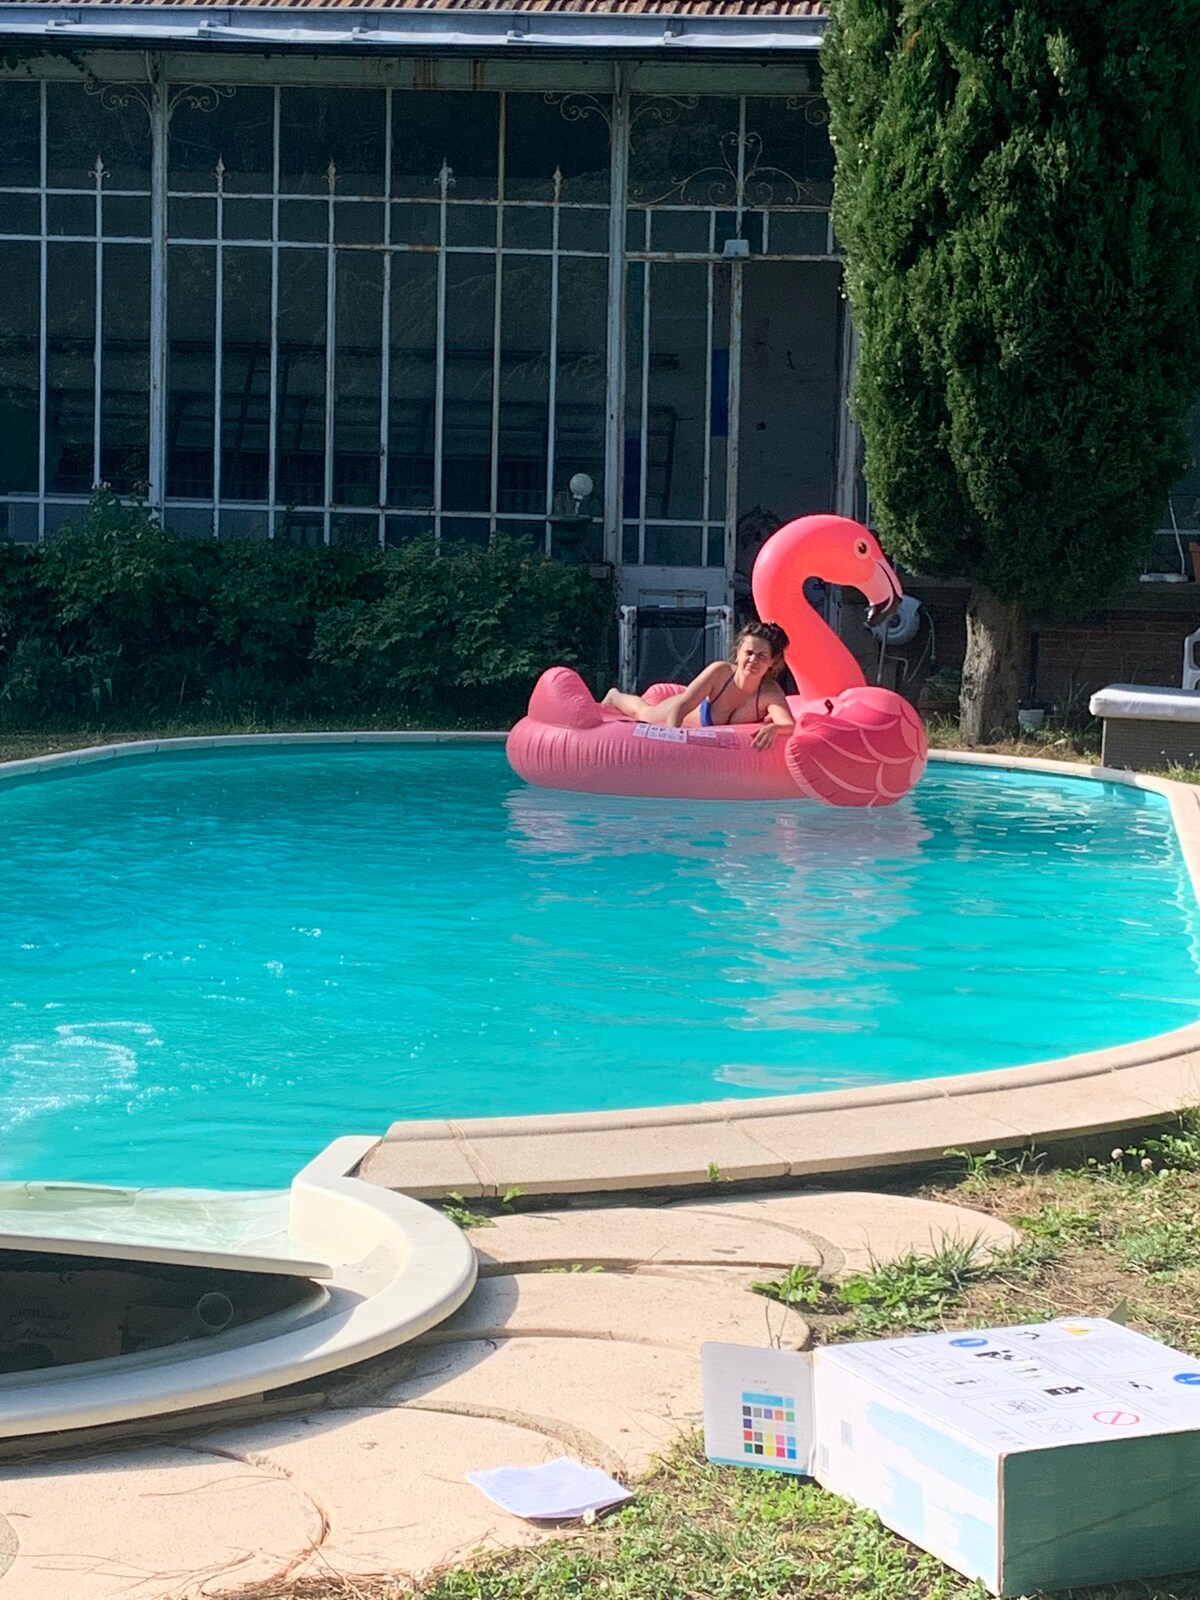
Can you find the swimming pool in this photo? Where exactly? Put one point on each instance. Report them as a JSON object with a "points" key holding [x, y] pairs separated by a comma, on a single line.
{"points": [[215, 963]]}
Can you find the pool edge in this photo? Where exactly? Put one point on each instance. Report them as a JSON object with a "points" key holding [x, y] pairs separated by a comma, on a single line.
{"points": [[839, 1132]]}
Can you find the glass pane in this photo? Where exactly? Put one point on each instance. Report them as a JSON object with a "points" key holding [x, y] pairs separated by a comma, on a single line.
{"points": [[125, 368], [637, 230], [246, 219], [683, 150], [403, 530], [192, 219], [415, 224], [465, 530], [471, 225], [19, 213], [344, 126], [300, 464], [674, 547], [81, 126], [19, 323], [467, 424], [190, 522], [19, 522], [20, 117], [191, 371], [584, 230], [637, 289], [70, 333], [524, 384], [788, 155], [245, 376], [126, 216], [580, 398], [71, 214], [298, 529], [237, 130], [304, 221], [358, 366], [543, 132], [676, 423], [798, 233], [461, 129], [250, 525], [413, 361], [358, 222], [354, 529], [528, 227], [681, 230], [718, 448]]}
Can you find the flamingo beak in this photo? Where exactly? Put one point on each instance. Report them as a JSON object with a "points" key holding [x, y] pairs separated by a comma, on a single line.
{"points": [[883, 593]]}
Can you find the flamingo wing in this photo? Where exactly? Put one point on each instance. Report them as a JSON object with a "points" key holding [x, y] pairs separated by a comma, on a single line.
{"points": [[867, 747]]}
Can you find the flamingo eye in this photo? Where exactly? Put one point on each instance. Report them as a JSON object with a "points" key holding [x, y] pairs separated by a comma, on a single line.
{"points": [[862, 548]]}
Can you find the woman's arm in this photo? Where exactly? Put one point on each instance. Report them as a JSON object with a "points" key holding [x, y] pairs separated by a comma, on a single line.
{"points": [[694, 693], [778, 719]]}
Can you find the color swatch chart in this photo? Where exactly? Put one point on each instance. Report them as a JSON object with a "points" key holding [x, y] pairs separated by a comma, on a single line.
{"points": [[769, 1426]]}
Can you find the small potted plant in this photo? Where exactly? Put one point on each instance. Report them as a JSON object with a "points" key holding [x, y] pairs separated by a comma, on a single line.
{"points": [[1030, 715]]}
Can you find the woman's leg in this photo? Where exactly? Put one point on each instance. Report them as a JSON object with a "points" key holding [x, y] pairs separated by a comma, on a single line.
{"points": [[632, 705]]}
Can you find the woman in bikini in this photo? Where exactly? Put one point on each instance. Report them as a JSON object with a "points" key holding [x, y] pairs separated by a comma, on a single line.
{"points": [[745, 691]]}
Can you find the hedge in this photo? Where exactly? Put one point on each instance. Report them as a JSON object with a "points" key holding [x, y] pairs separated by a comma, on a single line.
{"points": [[117, 616]]}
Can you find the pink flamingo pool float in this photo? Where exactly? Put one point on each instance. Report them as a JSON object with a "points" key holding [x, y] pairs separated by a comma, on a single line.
{"points": [[853, 745]]}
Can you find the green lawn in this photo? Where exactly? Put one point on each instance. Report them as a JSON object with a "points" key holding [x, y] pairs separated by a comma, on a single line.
{"points": [[1117, 1233]]}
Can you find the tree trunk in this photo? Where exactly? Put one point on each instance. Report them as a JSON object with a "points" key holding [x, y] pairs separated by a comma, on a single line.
{"points": [[997, 642]]}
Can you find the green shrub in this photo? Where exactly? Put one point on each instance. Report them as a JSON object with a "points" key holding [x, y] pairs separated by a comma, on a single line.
{"points": [[472, 619], [118, 615]]}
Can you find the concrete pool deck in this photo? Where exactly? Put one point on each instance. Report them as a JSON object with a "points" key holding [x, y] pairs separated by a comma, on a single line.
{"points": [[366, 1476]]}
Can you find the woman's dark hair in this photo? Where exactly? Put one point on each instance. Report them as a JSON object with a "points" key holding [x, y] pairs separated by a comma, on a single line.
{"points": [[772, 635]]}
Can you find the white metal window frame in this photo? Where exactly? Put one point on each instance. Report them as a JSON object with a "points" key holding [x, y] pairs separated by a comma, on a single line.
{"points": [[159, 98]]}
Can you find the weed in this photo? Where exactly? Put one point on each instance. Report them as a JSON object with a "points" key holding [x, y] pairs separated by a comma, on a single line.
{"points": [[461, 1214], [1158, 1247], [511, 1195], [1056, 1225], [714, 1173], [1177, 1150], [985, 1167], [576, 1266], [916, 1290], [800, 1286]]}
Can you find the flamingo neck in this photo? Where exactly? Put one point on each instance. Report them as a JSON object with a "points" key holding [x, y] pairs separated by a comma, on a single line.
{"points": [[818, 660]]}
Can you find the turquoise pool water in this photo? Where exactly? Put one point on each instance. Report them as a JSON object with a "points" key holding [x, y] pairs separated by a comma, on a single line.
{"points": [[214, 964]]}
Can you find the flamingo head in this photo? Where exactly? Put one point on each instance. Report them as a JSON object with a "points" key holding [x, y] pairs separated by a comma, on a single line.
{"points": [[835, 549]]}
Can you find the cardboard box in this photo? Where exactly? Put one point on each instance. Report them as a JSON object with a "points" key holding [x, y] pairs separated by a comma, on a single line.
{"points": [[1037, 1457]]}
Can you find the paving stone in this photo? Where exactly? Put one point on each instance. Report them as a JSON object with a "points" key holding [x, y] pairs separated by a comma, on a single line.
{"points": [[391, 1483], [673, 1313], [625, 1236], [617, 1403], [150, 1523], [853, 1231]]}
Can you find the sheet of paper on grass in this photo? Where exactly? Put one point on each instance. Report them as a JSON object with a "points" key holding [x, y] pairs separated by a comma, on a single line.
{"points": [[552, 1492]]}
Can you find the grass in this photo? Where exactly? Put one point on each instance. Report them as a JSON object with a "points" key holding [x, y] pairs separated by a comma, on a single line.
{"points": [[1119, 1233]]}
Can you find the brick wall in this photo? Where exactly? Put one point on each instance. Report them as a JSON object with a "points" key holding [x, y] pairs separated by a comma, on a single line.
{"points": [[1139, 643]]}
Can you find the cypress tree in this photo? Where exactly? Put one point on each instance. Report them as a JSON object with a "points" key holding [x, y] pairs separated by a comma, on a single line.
{"points": [[1018, 194]]}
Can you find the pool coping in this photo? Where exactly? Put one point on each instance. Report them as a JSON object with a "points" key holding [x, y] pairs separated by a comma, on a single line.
{"points": [[838, 1132]]}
